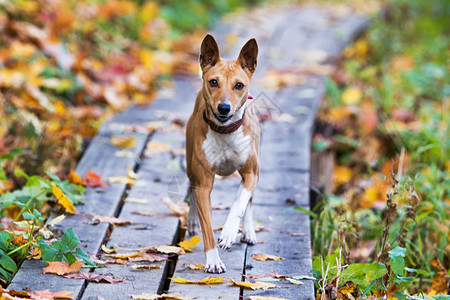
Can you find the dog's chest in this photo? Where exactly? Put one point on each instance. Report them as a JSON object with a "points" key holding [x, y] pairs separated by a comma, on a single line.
{"points": [[228, 152]]}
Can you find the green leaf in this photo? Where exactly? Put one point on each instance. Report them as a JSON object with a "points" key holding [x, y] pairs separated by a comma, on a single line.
{"points": [[306, 211], [5, 240], [363, 274], [70, 257], [7, 263], [368, 288], [397, 260], [418, 271], [27, 216], [81, 254], [70, 239], [48, 253]]}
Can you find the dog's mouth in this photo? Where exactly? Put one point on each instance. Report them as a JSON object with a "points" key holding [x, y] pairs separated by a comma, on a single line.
{"points": [[222, 118]]}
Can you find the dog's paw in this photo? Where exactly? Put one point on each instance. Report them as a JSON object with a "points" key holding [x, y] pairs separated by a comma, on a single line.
{"points": [[248, 236], [228, 235], [213, 262]]}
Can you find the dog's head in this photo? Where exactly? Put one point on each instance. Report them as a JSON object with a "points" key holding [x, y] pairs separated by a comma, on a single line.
{"points": [[226, 82]]}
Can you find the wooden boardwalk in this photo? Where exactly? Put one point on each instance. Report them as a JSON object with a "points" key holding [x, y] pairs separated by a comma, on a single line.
{"points": [[288, 36]]}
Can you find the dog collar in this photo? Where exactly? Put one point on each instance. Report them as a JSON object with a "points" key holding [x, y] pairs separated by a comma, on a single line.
{"points": [[224, 129]]}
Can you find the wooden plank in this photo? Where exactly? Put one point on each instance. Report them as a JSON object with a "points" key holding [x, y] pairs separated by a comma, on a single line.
{"points": [[157, 229]]}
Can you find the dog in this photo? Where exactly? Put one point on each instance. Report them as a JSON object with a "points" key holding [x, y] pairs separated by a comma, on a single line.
{"points": [[222, 136]]}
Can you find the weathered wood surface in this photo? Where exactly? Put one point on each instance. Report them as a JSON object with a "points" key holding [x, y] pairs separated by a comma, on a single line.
{"points": [[284, 33]]}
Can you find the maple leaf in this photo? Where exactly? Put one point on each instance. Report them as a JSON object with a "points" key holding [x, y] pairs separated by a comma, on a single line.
{"points": [[187, 245], [254, 285], [109, 220], [75, 178], [63, 199], [93, 277], [62, 267], [38, 295], [265, 257], [93, 179]]}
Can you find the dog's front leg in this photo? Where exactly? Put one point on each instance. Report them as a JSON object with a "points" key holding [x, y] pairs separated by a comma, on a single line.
{"points": [[191, 223], [204, 210], [231, 227]]}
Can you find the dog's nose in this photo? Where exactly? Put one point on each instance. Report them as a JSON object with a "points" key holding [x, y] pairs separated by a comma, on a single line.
{"points": [[223, 108]]}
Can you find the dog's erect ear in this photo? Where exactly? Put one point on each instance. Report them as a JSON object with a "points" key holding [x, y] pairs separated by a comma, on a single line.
{"points": [[209, 52], [248, 56]]}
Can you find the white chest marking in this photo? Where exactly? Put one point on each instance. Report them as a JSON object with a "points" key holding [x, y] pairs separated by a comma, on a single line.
{"points": [[228, 152]]}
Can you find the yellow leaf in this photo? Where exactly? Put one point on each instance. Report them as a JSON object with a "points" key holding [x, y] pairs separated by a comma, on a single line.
{"points": [[125, 255], [207, 280], [169, 249], [63, 199], [352, 96], [171, 296], [264, 257], [195, 267], [75, 178], [108, 250], [121, 179], [348, 289], [145, 267], [187, 245], [254, 285], [123, 141], [156, 148], [149, 11], [341, 175], [265, 298]]}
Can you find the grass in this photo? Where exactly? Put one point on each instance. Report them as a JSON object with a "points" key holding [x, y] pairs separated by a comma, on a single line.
{"points": [[388, 103]]}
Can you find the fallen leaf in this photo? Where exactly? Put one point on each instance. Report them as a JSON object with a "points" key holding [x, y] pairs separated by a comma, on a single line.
{"points": [[187, 245], [125, 153], [348, 288], [181, 210], [123, 141], [148, 212], [169, 249], [145, 267], [265, 257], [254, 285], [148, 257], [124, 255], [440, 280], [62, 267], [56, 220], [274, 274], [92, 277], [155, 148], [171, 296], [194, 266], [207, 280], [352, 96], [93, 179], [341, 175], [294, 281], [63, 200], [75, 178], [121, 179], [265, 298], [110, 220], [30, 294], [108, 250], [136, 200]]}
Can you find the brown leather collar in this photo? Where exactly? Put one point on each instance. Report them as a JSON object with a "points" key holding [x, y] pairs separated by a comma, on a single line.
{"points": [[224, 129]]}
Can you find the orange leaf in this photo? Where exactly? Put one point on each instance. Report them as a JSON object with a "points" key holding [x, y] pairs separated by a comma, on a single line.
{"points": [[264, 257], [92, 179], [62, 267], [75, 178]]}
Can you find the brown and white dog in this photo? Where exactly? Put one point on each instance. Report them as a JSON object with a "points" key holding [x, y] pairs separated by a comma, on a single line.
{"points": [[222, 136]]}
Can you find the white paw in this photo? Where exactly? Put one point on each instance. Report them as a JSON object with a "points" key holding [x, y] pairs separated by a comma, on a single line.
{"points": [[213, 262], [248, 234], [229, 234]]}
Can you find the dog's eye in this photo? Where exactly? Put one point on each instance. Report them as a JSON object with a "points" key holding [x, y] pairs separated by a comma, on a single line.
{"points": [[239, 86], [213, 83]]}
